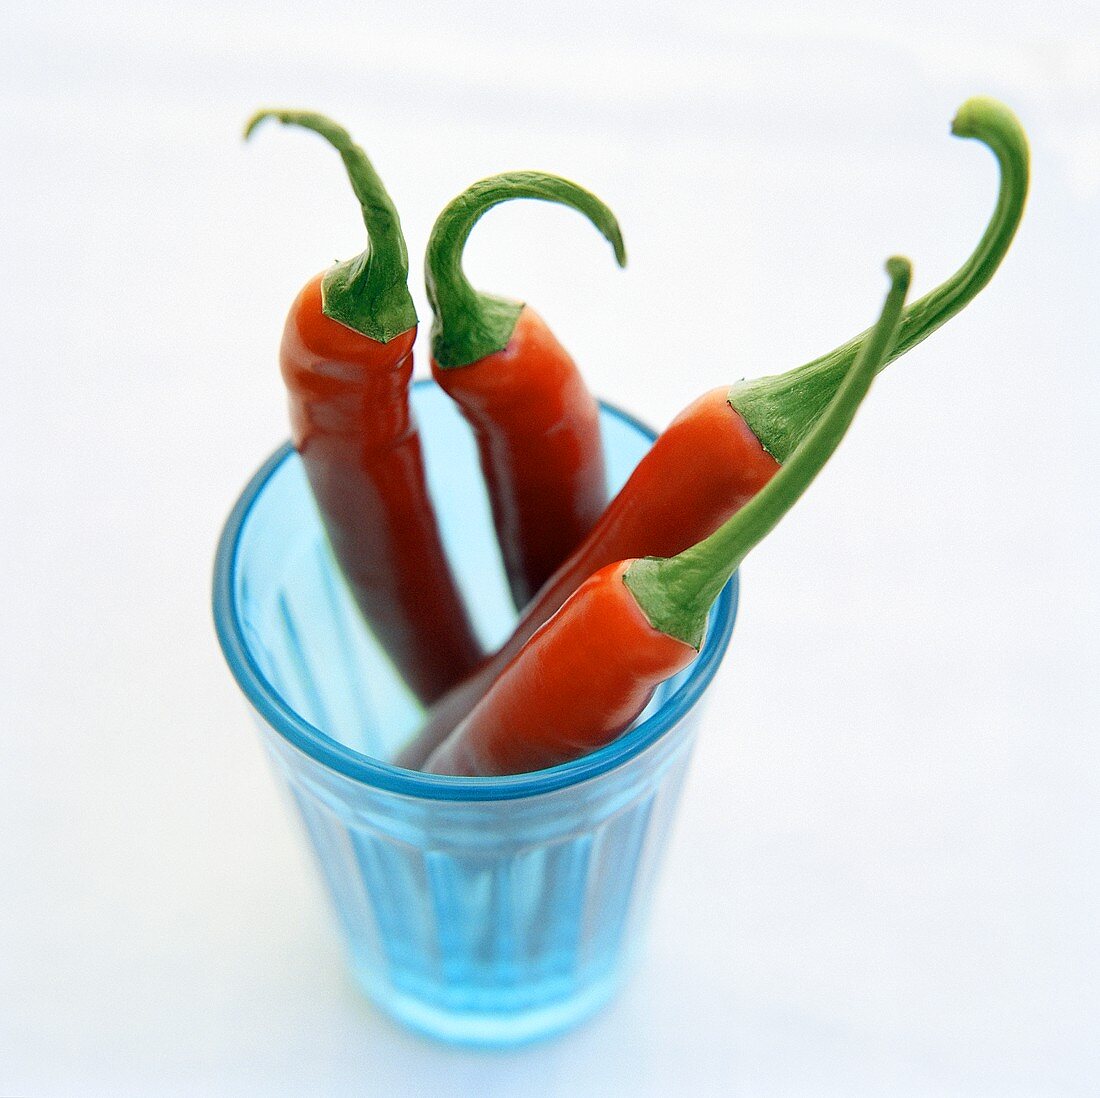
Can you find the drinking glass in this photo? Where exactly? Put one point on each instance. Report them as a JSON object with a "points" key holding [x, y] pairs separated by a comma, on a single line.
{"points": [[481, 911]]}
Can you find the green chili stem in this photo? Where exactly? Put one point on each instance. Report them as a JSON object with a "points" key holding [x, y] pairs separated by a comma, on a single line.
{"points": [[469, 325], [781, 409], [675, 593], [369, 292]]}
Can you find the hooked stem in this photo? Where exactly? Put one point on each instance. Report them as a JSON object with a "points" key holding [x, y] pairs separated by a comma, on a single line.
{"points": [[782, 408], [370, 292], [469, 325]]}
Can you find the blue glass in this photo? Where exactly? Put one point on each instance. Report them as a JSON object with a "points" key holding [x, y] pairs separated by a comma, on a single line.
{"points": [[483, 911]]}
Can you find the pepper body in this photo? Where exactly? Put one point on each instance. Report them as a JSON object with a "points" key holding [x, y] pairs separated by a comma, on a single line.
{"points": [[537, 425], [352, 424], [538, 437], [701, 470], [536, 716]]}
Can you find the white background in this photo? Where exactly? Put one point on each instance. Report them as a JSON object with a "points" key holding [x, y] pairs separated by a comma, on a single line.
{"points": [[884, 875]]}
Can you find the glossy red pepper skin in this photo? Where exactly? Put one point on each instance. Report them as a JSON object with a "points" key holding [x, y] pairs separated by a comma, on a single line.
{"points": [[701, 470], [538, 437], [535, 716], [353, 426]]}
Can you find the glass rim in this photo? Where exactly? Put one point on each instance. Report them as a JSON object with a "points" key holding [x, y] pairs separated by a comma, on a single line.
{"points": [[309, 739]]}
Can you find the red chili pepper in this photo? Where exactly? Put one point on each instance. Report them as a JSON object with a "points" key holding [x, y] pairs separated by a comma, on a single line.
{"points": [[721, 450], [588, 673], [346, 358], [537, 426]]}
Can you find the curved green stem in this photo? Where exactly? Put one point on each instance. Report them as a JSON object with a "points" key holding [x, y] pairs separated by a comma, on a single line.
{"points": [[781, 409], [470, 325], [675, 593], [370, 292]]}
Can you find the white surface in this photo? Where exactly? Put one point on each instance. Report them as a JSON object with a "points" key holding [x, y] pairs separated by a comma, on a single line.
{"points": [[883, 879]]}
